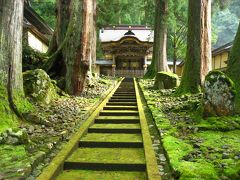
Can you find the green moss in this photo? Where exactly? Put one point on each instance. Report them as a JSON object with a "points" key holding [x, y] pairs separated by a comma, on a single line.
{"points": [[176, 150], [170, 74], [224, 77], [108, 155], [39, 86], [197, 148], [219, 123], [216, 139], [14, 161], [106, 137], [8, 118], [232, 170], [166, 80], [31, 58], [22, 103], [107, 175], [197, 170]]}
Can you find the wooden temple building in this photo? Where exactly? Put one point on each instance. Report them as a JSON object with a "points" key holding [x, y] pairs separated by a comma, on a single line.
{"points": [[127, 50], [36, 31]]}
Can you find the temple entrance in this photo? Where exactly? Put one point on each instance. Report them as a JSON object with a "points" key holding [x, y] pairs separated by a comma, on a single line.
{"points": [[129, 64], [130, 67]]}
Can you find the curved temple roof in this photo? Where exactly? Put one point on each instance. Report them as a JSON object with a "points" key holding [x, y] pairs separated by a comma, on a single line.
{"points": [[115, 33]]}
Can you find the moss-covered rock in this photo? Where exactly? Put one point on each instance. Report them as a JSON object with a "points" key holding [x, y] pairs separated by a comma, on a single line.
{"points": [[219, 94], [39, 86], [166, 80]]}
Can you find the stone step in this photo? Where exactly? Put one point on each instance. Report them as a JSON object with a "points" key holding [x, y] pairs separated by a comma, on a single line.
{"points": [[117, 119], [97, 175], [121, 104], [108, 140], [126, 91], [118, 113], [116, 126], [106, 137], [125, 159], [124, 94], [120, 108], [105, 130], [122, 100], [123, 97]]}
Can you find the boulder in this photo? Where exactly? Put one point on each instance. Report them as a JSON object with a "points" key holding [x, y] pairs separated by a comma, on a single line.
{"points": [[39, 86], [166, 80], [218, 95]]}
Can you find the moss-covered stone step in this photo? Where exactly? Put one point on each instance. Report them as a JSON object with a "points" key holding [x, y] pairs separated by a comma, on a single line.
{"points": [[125, 91], [122, 100], [123, 97], [101, 175], [121, 104], [117, 119], [118, 113], [115, 128], [107, 137], [124, 94], [127, 159], [111, 140], [120, 108]]}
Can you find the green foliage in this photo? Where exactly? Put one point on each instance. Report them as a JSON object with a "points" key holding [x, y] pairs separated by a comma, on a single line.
{"points": [[46, 9], [225, 20], [177, 29], [31, 58], [225, 24], [8, 119], [233, 68], [125, 12]]}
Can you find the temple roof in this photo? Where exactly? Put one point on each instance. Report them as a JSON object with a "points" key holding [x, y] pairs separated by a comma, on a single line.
{"points": [[36, 24], [116, 33]]}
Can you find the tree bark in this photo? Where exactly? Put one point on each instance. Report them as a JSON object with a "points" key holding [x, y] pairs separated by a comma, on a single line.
{"points": [[233, 67], [198, 58], [205, 36], [75, 42], [11, 26], [93, 38], [159, 61]]}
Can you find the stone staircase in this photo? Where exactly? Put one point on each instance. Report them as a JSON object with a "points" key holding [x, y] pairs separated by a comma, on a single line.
{"points": [[113, 147]]}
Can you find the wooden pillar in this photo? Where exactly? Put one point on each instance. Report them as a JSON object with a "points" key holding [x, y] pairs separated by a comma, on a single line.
{"points": [[145, 64], [114, 66]]}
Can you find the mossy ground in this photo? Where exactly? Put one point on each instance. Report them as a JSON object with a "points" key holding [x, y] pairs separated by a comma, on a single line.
{"points": [[49, 125], [197, 148], [14, 161]]}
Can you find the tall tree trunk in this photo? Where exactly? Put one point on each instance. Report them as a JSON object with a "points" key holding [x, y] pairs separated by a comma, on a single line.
{"points": [[74, 37], [159, 61], [93, 38], [11, 82], [233, 67], [198, 58], [174, 59], [206, 48]]}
